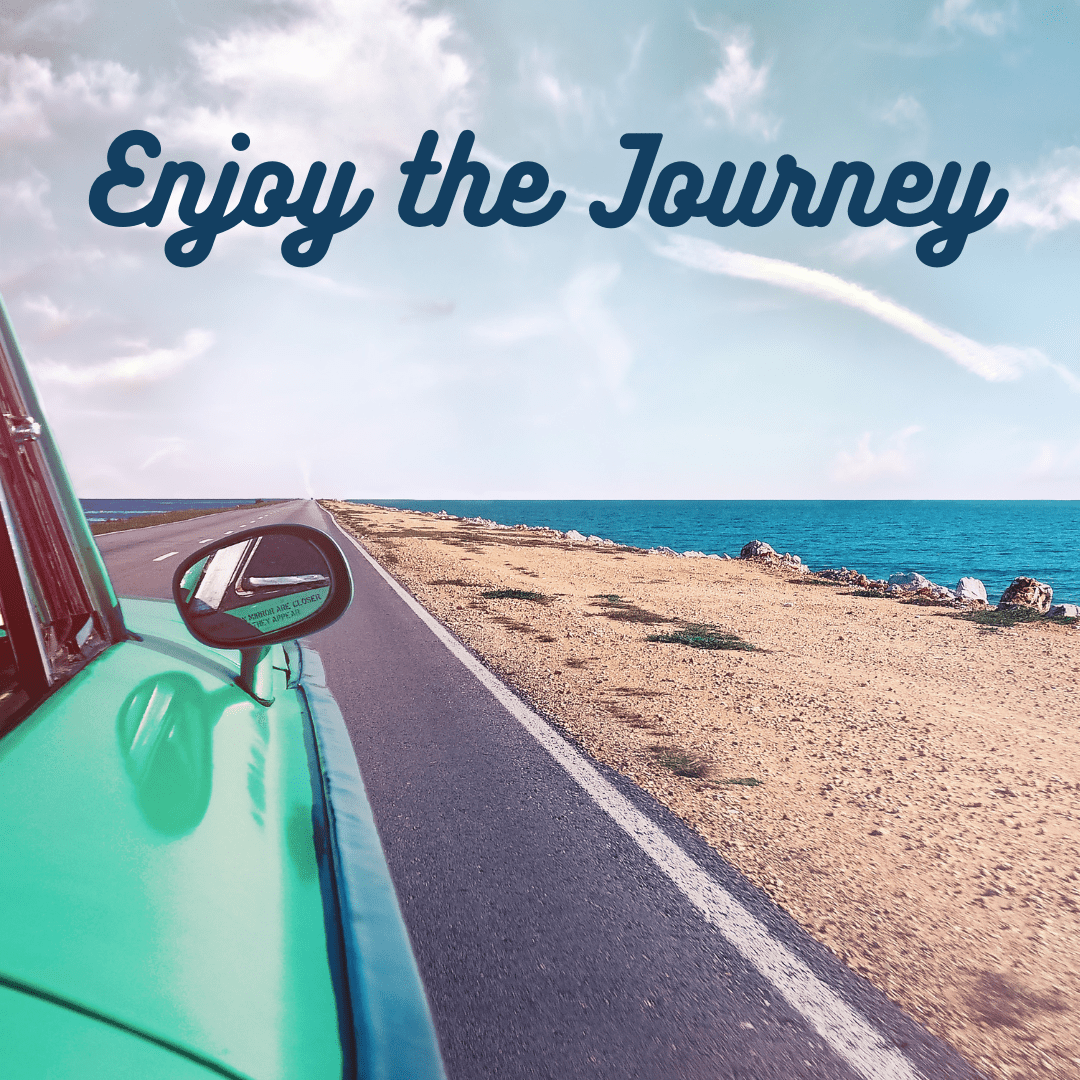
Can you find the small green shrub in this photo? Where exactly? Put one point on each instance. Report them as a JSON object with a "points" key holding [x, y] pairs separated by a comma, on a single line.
{"points": [[703, 637], [680, 762], [1011, 616], [514, 594], [613, 606]]}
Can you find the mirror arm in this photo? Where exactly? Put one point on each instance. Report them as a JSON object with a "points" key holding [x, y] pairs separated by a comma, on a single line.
{"points": [[249, 663]]}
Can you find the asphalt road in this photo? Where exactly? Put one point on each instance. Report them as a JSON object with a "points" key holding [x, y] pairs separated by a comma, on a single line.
{"points": [[550, 943]]}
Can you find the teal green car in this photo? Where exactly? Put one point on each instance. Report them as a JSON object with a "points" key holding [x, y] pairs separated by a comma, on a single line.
{"points": [[191, 884]]}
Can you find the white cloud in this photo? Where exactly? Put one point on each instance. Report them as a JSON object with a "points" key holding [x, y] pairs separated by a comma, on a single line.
{"points": [[293, 86], [738, 87], [1048, 198], [53, 318], [48, 19], [310, 279], [25, 84], [561, 95], [965, 15], [864, 463], [878, 242], [25, 198], [905, 110], [32, 97], [169, 447], [1054, 462], [512, 329], [580, 318], [594, 324], [637, 50], [995, 363], [143, 367]]}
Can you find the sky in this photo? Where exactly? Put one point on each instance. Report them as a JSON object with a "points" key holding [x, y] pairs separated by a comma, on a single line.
{"points": [[563, 360]]}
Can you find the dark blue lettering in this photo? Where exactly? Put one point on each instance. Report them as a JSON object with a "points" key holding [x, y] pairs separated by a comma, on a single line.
{"points": [[957, 226], [121, 174], [512, 192], [422, 166], [647, 147], [320, 228], [676, 197], [897, 191], [275, 199], [685, 198], [191, 246]]}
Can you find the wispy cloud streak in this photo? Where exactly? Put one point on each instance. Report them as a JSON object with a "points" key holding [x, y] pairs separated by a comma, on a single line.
{"points": [[995, 363]]}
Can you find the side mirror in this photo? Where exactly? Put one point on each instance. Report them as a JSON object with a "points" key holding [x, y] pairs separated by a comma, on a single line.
{"points": [[262, 586]]}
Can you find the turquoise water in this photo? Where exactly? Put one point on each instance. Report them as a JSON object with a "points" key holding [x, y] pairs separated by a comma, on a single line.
{"points": [[993, 541], [112, 509]]}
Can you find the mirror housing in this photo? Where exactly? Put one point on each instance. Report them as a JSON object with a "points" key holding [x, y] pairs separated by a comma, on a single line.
{"points": [[262, 586]]}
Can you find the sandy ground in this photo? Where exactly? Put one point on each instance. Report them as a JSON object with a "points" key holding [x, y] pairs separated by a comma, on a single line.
{"points": [[919, 800]]}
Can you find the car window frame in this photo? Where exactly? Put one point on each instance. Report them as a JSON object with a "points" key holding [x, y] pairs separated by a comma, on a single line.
{"points": [[59, 607]]}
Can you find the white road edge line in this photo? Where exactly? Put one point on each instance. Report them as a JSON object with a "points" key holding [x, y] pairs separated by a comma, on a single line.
{"points": [[850, 1036], [167, 555]]}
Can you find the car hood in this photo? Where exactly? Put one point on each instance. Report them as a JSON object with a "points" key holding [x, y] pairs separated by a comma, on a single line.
{"points": [[159, 867], [41, 1039]]}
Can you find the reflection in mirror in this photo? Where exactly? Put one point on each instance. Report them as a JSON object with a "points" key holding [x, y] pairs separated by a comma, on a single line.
{"points": [[260, 585]]}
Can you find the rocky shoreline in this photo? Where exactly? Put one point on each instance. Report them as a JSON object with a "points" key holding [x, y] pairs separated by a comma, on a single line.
{"points": [[969, 593]]}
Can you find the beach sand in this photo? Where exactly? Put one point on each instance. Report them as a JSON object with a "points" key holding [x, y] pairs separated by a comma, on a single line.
{"points": [[919, 801]]}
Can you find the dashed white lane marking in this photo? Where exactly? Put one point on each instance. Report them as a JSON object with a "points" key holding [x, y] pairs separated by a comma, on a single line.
{"points": [[847, 1032], [167, 555], [207, 540]]}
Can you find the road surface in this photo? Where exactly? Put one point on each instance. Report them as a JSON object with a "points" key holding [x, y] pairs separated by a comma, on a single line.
{"points": [[553, 940]]}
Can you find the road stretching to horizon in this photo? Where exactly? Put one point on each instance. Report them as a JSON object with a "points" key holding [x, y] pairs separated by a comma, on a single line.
{"points": [[551, 945]]}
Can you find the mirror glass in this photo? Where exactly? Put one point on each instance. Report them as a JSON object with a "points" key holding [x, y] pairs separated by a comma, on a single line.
{"points": [[260, 585]]}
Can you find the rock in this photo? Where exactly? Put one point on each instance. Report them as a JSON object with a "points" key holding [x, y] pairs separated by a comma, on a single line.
{"points": [[595, 539], [1069, 611], [843, 576], [910, 582], [793, 559], [970, 588], [575, 537], [693, 554], [662, 551], [726, 557], [715, 556], [756, 549], [1027, 592]]}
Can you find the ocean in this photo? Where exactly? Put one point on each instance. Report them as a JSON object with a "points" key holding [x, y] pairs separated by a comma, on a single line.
{"points": [[994, 541], [112, 509]]}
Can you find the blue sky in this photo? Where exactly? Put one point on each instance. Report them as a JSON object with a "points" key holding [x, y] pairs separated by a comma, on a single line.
{"points": [[565, 360]]}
